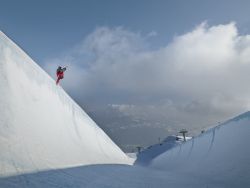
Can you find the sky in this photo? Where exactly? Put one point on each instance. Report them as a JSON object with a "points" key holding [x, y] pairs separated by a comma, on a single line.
{"points": [[169, 64], [48, 28]]}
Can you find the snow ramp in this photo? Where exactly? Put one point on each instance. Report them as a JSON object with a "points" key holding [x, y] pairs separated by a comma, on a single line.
{"points": [[219, 157], [41, 127]]}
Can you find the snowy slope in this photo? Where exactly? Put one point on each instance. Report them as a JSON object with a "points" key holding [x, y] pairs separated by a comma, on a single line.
{"points": [[145, 157], [46, 140], [217, 158], [41, 127]]}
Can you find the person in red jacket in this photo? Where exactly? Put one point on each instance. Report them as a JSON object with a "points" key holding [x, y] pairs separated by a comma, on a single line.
{"points": [[60, 73]]}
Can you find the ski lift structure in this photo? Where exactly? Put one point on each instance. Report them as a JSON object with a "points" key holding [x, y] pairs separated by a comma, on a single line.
{"points": [[183, 132]]}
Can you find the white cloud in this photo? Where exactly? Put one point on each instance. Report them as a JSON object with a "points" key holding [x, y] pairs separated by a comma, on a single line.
{"points": [[202, 75], [152, 34]]}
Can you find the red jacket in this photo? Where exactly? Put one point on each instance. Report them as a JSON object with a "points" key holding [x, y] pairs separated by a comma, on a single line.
{"points": [[60, 72]]}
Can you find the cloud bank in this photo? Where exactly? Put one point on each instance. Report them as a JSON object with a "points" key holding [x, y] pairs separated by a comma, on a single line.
{"points": [[198, 79]]}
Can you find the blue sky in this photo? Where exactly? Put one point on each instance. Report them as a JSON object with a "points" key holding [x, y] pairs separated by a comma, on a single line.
{"points": [[166, 64], [48, 28]]}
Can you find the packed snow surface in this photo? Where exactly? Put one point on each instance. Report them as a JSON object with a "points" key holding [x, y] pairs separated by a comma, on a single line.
{"points": [[41, 127], [219, 157], [146, 156], [47, 140]]}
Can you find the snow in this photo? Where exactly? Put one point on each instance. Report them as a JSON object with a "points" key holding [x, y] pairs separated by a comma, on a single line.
{"points": [[218, 158], [95, 176], [47, 140], [41, 127], [146, 156], [132, 155]]}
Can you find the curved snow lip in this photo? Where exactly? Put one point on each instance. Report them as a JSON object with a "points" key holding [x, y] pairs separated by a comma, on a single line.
{"points": [[220, 156], [145, 157], [41, 127], [244, 116]]}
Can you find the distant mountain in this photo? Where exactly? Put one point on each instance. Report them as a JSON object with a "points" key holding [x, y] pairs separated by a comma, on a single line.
{"points": [[132, 130]]}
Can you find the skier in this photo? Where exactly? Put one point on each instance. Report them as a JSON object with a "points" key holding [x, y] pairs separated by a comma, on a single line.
{"points": [[60, 73]]}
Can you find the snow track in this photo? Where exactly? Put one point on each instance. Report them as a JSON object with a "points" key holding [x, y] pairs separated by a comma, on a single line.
{"points": [[218, 158], [47, 140], [41, 127]]}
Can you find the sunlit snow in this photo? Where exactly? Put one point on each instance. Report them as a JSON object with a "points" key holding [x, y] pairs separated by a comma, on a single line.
{"points": [[47, 140]]}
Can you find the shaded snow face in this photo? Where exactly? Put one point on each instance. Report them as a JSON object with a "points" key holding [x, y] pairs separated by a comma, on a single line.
{"points": [[41, 127], [219, 157], [216, 159]]}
